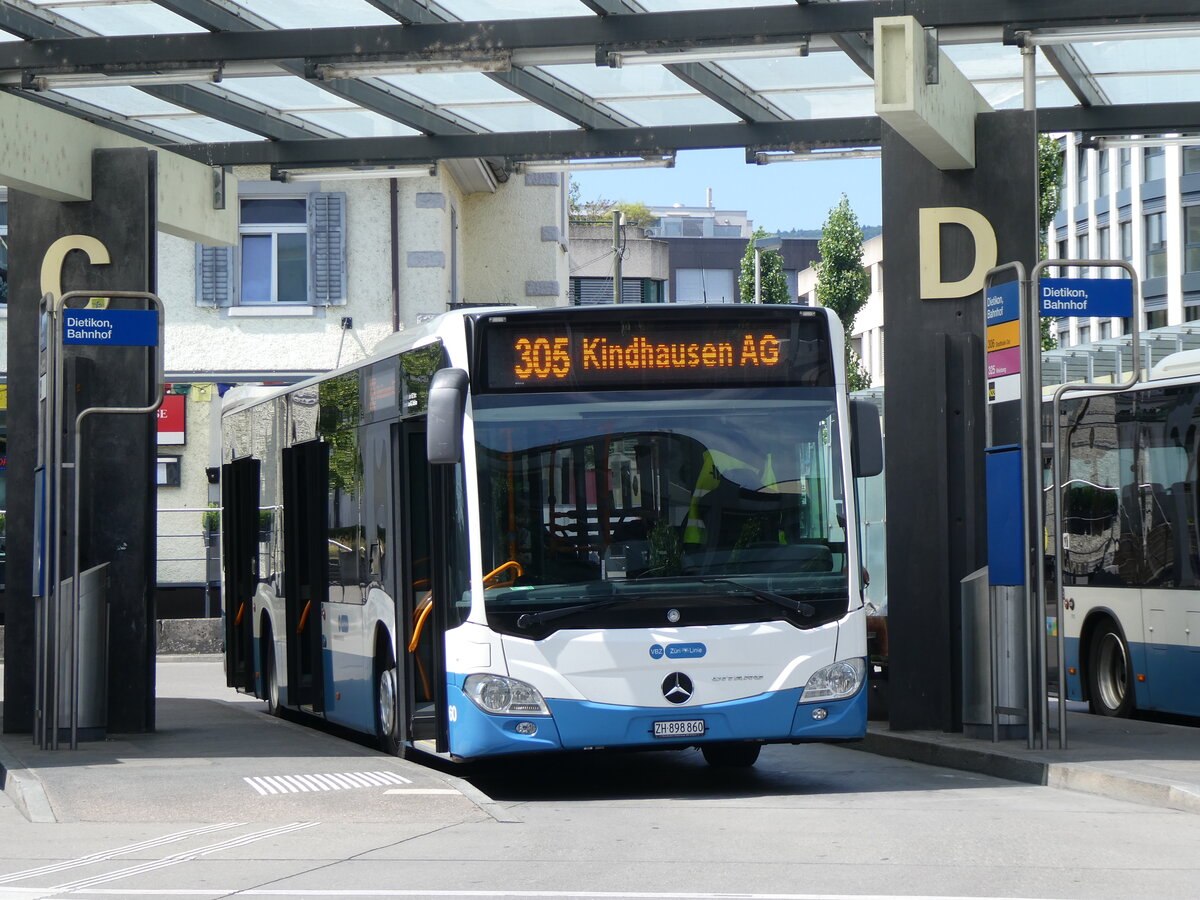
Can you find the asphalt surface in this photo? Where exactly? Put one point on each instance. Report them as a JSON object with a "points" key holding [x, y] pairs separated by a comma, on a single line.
{"points": [[218, 756]]}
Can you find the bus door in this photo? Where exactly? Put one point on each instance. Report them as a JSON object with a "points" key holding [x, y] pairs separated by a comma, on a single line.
{"points": [[239, 536], [423, 595], [305, 569]]}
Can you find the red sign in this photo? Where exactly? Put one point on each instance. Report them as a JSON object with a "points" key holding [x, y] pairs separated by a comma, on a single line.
{"points": [[172, 420]]}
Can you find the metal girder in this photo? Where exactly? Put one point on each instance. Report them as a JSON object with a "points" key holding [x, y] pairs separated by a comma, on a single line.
{"points": [[855, 46], [1074, 73], [858, 132], [602, 142], [370, 94], [538, 87], [685, 28], [725, 90], [33, 23]]}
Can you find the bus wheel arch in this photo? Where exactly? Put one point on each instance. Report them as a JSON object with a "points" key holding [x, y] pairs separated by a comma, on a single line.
{"points": [[1107, 668]]}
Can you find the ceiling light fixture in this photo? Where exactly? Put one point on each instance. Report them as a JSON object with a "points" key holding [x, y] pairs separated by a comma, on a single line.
{"points": [[763, 157], [1104, 143], [584, 165], [1110, 33], [616, 59], [59, 81], [500, 61], [357, 174]]}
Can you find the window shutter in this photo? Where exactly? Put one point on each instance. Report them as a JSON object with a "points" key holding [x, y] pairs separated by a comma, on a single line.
{"points": [[327, 244], [214, 276]]}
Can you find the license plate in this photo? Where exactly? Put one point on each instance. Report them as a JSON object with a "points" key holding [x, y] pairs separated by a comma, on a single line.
{"points": [[679, 728]]}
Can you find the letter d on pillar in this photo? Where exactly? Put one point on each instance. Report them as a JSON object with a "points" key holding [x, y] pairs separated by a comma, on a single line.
{"points": [[930, 222]]}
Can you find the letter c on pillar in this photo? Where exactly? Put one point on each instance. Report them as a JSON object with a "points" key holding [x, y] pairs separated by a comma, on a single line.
{"points": [[930, 222], [52, 262]]}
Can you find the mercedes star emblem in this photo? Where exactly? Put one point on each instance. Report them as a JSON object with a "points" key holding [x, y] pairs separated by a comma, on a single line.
{"points": [[677, 688]]}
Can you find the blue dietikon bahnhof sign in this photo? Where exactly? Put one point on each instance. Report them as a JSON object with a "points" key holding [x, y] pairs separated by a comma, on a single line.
{"points": [[112, 327], [1086, 297]]}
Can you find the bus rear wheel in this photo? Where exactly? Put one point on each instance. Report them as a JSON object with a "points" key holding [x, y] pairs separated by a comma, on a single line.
{"points": [[1110, 681], [731, 755]]}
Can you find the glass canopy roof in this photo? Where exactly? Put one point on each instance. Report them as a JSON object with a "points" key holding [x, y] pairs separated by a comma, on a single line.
{"points": [[666, 73]]}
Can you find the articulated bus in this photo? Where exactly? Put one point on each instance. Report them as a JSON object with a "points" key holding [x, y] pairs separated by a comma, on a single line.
{"points": [[1131, 543], [514, 530]]}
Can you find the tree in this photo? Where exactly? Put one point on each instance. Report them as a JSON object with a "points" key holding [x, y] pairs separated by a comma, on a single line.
{"points": [[842, 282], [772, 282], [586, 209], [1050, 171], [637, 214]]}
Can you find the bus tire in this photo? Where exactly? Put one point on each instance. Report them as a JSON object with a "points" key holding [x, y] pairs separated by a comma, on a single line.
{"points": [[739, 755], [1109, 673], [387, 730], [270, 676]]}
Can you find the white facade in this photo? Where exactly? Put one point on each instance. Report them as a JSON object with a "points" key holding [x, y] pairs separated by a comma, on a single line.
{"points": [[1140, 204], [867, 335]]}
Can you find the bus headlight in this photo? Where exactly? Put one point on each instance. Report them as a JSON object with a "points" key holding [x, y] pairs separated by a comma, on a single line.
{"points": [[502, 696], [835, 682]]}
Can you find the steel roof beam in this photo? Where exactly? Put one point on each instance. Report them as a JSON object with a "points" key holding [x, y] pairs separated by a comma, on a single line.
{"points": [[689, 28], [555, 145], [601, 142], [370, 94], [205, 102], [1074, 72]]}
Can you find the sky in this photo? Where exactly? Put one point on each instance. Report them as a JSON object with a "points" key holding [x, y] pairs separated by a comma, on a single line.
{"points": [[777, 197]]}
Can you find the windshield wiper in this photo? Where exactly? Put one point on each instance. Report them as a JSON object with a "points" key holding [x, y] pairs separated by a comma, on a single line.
{"points": [[797, 606], [526, 621]]}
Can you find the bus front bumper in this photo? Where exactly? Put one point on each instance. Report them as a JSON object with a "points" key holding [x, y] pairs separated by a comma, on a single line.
{"points": [[775, 717]]}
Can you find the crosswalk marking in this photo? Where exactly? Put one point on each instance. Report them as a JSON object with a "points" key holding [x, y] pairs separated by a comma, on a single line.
{"points": [[333, 781]]}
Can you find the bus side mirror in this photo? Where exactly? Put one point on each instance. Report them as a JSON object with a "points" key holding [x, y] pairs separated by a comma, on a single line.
{"points": [[866, 439], [444, 425]]}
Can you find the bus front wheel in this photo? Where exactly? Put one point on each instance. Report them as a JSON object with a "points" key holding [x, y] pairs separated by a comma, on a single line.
{"points": [[732, 755], [271, 678], [387, 731], [1110, 675]]}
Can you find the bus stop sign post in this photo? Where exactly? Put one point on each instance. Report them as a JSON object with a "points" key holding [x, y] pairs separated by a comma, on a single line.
{"points": [[1009, 362], [64, 325], [1107, 297]]}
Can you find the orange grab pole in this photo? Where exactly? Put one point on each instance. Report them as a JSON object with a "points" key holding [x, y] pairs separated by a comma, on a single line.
{"points": [[304, 617]]}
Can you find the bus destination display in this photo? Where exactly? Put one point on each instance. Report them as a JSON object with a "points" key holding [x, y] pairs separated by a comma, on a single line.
{"points": [[542, 356]]}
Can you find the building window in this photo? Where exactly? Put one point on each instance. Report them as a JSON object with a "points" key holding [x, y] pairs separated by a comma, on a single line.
{"points": [[291, 251], [1191, 239], [1156, 245], [1191, 160], [274, 245], [167, 471], [1101, 173], [1156, 318], [1124, 169], [706, 286], [1102, 248], [1191, 313], [1125, 234], [1154, 163], [1105, 329], [1081, 174], [1084, 334], [1082, 247]]}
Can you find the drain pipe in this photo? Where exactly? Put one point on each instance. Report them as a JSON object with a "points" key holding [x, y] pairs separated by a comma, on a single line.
{"points": [[393, 225]]}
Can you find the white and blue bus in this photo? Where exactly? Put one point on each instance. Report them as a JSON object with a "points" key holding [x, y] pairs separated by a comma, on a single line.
{"points": [[1131, 543], [515, 530]]}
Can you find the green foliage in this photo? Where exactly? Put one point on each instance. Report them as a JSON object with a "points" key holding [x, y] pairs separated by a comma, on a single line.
{"points": [[637, 214], [772, 281], [842, 283], [210, 519], [1050, 173], [586, 209]]}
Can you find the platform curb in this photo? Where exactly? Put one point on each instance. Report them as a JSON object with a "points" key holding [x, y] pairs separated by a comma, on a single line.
{"points": [[24, 789]]}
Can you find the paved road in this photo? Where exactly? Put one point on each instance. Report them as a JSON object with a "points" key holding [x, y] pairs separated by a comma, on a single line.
{"points": [[819, 821]]}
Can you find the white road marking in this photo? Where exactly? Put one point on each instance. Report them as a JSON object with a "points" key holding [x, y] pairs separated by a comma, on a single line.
{"points": [[422, 791], [525, 895], [186, 856], [92, 858], [295, 784]]}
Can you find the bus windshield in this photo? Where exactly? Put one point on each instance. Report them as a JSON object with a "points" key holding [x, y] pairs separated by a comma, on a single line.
{"points": [[613, 509]]}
